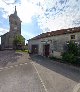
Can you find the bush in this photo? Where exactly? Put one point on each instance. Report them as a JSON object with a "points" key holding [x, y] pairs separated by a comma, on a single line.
{"points": [[69, 57], [72, 48], [72, 53]]}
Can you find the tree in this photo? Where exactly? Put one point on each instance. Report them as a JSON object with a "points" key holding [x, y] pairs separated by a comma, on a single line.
{"points": [[18, 42]]}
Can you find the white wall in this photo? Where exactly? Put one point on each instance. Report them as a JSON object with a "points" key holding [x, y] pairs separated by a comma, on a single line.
{"points": [[61, 39]]}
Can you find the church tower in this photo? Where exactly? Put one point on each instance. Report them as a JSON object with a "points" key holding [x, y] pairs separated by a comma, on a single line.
{"points": [[15, 22], [7, 40]]}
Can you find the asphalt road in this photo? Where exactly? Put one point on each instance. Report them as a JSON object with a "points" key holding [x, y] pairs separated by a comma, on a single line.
{"points": [[21, 78], [20, 72], [16, 75], [57, 77]]}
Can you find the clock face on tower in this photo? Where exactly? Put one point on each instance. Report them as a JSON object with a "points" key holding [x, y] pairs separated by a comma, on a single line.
{"points": [[15, 28]]}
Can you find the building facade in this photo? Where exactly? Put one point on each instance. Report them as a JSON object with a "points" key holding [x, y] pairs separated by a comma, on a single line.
{"points": [[53, 43], [15, 29]]}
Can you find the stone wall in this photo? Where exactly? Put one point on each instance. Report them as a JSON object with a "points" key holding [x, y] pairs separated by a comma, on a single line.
{"points": [[7, 39], [57, 43], [15, 29]]}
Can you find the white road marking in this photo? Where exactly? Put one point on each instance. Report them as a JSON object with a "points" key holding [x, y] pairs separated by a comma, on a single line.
{"points": [[9, 67], [15, 65], [1, 68], [40, 78], [77, 88], [25, 63], [20, 64], [6, 67]]}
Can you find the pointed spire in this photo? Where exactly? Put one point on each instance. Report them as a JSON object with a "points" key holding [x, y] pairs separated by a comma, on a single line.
{"points": [[15, 11]]}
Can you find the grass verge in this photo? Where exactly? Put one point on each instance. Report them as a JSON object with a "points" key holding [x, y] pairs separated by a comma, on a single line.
{"points": [[22, 51]]}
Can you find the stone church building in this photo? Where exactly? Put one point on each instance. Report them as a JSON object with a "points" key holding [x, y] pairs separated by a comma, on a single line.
{"points": [[53, 43], [15, 29]]}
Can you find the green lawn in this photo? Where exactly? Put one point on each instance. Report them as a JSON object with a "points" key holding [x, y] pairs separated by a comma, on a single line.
{"points": [[22, 51]]}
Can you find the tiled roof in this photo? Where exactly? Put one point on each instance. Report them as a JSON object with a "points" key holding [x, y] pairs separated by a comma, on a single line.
{"points": [[58, 32]]}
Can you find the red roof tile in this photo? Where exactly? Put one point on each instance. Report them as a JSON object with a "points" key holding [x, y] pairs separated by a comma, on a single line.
{"points": [[58, 32]]}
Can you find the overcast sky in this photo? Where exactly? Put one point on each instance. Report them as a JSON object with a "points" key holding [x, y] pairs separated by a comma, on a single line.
{"points": [[40, 16]]}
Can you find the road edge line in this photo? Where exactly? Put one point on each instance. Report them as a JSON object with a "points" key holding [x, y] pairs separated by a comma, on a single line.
{"points": [[40, 77]]}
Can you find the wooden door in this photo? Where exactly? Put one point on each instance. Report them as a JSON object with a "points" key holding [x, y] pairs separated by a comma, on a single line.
{"points": [[46, 50]]}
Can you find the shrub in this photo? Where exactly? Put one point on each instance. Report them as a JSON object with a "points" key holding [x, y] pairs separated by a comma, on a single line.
{"points": [[72, 48], [69, 57]]}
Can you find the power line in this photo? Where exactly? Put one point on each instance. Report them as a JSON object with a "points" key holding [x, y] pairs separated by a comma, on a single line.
{"points": [[9, 3]]}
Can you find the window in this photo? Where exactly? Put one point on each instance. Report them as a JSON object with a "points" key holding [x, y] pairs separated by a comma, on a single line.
{"points": [[72, 36]]}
